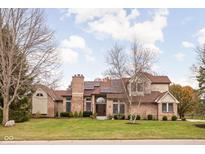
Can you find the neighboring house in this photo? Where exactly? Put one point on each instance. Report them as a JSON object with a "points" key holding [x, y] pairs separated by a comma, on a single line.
{"points": [[105, 97]]}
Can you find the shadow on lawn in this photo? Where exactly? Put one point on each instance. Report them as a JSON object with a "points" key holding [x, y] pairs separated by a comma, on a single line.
{"points": [[200, 125]]}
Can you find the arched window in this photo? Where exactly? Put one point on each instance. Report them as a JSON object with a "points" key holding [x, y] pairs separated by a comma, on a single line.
{"points": [[100, 100]]}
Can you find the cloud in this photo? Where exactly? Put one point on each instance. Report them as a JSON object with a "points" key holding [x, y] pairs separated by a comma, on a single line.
{"points": [[201, 36], [179, 56], [121, 24], [68, 55], [186, 44], [70, 48]]}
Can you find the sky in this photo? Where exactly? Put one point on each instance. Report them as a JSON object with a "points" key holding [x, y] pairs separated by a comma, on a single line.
{"points": [[83, 36]]}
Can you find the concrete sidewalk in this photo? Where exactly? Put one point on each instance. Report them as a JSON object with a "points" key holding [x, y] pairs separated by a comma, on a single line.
{"points": [[107, 142]]}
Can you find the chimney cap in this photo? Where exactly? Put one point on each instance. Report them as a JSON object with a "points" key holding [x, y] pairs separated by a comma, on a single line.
{"points": [[78, 76]]}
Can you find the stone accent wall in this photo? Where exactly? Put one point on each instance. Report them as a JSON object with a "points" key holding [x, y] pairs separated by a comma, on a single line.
{"points": [[77, 93]]}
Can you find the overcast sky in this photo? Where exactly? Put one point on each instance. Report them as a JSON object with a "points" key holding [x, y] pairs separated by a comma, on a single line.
{"points": [[84, 35]]}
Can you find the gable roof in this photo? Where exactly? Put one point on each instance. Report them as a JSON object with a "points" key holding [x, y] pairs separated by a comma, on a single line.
{"points": [[165, 94], [50, 92]]}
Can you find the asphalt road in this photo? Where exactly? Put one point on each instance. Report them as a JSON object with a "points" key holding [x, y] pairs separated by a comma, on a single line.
{"points": [[107, 142]]}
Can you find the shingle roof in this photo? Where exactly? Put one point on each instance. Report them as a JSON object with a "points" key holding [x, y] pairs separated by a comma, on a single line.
{"points": [[50, 92], [91, 84], [67, 92], [157, 79]]}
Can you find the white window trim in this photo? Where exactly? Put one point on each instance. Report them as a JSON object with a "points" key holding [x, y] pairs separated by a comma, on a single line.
{"points": [[167, 107], [118, 106], [88, 101]]}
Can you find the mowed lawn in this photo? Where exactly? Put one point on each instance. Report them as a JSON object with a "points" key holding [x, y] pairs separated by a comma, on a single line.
{"points": [[66, 129]]}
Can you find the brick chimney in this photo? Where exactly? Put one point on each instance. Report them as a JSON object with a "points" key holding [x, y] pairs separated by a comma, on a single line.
{"points": [[106, 82], [77, 86]]}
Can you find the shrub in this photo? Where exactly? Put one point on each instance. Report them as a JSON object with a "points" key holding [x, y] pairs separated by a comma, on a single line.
{"points": [[20, 116], [80, 114], [164, 118], [119, 116], [64, 114], [70, 114], [37, 115], [110, 117], [75, 114], [1, 116], [174, 118], [183, 119], [94, 115], [133, 116], [87, 113], [149, 117]]}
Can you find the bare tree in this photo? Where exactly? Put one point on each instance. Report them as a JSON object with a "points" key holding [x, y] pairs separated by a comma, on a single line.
{"points": [[26, 44], [122, 65]]}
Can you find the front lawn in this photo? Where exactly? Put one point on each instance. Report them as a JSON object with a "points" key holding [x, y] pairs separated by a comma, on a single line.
{"points": [[66, 129]]}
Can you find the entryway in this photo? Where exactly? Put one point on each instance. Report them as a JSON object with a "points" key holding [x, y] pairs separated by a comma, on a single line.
{"points": [[101, 109]]}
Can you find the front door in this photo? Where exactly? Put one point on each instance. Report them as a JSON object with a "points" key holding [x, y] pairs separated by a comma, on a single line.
{"points": [[101, 109]]}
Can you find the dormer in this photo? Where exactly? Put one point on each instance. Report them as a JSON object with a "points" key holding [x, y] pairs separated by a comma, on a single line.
{"points": [[139, 85]]}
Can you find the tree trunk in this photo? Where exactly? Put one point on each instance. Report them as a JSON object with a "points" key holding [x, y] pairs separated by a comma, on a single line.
{"points": [[5, 114]]}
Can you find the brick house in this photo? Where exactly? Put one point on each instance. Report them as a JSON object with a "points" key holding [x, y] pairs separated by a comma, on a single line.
{"points": [[106, 97]]}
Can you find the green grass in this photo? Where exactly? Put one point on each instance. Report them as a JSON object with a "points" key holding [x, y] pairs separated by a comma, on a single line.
{"points": [[65, 129]]}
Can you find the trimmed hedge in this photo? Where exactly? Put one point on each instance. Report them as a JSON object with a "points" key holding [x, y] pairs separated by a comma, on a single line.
{"points": [[133, 116], [164, 118], [119, 116], [149, 117], [87, 113], [75, 115], [65, 114], [174, 118]]}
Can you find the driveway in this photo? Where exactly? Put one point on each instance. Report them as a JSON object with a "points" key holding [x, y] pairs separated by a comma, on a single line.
{"points": [[195, 120], [107, 142]]}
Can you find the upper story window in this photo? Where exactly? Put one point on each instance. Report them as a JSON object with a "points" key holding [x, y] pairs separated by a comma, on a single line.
{"points": [[137, 87], [39, 94], [140, 87], [167, 107], [133, 87]]}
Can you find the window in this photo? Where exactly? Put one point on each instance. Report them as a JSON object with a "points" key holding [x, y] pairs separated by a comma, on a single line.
{"points": [[115, 108], [39, 94], [133, 87], [140, 87], [68, 104], [170, 107], [167, 107], [122, 108], [118, 108], [164, 107], [88, 104]]}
